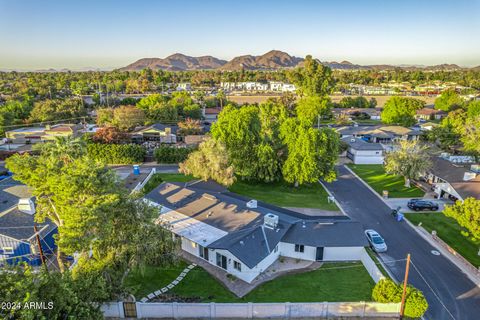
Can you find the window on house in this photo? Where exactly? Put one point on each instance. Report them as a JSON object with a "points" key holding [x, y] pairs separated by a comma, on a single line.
{"points": [[203, 252], [7, 250], [237, 265], [276, 249], [299, 248]]}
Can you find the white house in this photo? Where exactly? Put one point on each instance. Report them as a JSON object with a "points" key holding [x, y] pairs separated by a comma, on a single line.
{"points": [[245, 237], [454, 178], [362, 152]]}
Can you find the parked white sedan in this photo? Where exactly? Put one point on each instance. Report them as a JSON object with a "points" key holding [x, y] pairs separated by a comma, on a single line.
{"points": [[376, 241]]}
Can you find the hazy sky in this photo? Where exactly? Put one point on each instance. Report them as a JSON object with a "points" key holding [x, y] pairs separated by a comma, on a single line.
{"points": [[83, 33]]}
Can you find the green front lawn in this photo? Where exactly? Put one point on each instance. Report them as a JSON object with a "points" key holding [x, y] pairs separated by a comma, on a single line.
{"points": [[285, 195], [450, 232], [332, 282], [375, 176]]}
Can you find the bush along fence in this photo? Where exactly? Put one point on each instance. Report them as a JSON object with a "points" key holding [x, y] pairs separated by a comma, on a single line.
{"points": [[168, 154], [117, 153], [285, 310]]}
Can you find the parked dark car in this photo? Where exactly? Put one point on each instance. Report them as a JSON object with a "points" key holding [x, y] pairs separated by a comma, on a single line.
{"points": [[419, 205]]}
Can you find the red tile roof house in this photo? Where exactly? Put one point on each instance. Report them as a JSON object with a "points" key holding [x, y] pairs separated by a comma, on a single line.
{"points": [[430, 114]]}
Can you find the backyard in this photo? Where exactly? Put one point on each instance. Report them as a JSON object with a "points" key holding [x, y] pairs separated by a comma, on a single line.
{"points": [[332, 282], [375, 176], [450, 232], [284, 195]]}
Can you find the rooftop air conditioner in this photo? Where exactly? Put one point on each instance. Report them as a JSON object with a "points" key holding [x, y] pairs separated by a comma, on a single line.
{"points": [[252, 204], [270, 220], [26, 206]]}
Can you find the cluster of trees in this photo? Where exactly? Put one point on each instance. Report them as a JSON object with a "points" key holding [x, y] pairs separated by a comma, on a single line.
{"points": [[460, 130], [25, 110], [271, 141], [401, 110], [165, 108], [94, 215], [124, 118], [357, 102]]}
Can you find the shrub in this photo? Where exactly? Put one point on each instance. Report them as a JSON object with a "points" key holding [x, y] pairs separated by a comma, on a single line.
{"points": [[388, 291], [167, 154], [116, 153]]}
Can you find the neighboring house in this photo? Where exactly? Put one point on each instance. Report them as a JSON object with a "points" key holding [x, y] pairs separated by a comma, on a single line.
{"points": [[430, 114], [427, 126], [362, 152], [380, 133], [194, 139], [25, 135], [245, 238], [156, 132], [62, 130], [211, 114], [373, 113], [30, 135], [452, 179], [17, 236]]}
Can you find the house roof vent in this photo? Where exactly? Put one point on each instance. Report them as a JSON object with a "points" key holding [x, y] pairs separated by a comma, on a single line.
{"points": [[26, 206]]}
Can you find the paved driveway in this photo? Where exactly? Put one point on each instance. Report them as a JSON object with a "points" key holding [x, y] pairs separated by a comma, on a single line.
{"points": [[450, 294]]}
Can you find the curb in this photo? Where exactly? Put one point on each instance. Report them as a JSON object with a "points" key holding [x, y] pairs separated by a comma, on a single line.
{"points": [[334, 199]]}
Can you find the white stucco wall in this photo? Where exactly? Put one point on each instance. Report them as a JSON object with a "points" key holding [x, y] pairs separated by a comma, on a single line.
{"points": [[246, 274], [342, 253], [366, 156], [288, 250]]}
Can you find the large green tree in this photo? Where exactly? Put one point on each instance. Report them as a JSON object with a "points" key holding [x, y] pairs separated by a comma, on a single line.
{"points": [[409, 160], [56, 109], [401, 110], [467, 214], [310, 109], [92, 211], [128, 117], [312, 79], [449, 100], [210, 161], [312, 153]]}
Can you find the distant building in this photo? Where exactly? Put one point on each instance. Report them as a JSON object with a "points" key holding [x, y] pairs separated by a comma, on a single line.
{"points": [[273, 86], [380, 133], [211, 114], [184, 86], [430, 114], [31, 135], [156, 132]]}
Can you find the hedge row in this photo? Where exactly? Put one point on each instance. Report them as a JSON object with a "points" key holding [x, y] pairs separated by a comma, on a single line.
{"points": [[167, 154], [117, 153]]}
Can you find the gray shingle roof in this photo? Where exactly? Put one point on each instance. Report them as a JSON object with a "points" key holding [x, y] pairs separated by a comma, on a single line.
{"points": [[359, 144], [247, 237], [10, 192], [19, 225]]}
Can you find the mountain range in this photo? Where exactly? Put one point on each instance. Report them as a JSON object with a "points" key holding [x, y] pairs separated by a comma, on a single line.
{"points": [[271, 60]]}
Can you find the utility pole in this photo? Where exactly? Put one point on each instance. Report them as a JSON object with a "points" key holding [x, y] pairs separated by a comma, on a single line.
{"points": [[40, 249], [407, 268]]}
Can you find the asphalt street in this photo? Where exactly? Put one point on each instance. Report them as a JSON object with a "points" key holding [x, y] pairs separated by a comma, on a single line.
{"points": [[450, 294]]}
